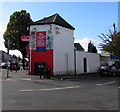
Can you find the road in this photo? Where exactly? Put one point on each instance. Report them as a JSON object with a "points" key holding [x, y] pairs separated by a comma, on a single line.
{"points": [[92, 93]]}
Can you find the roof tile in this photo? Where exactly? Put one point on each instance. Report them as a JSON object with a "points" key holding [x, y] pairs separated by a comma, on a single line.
{"points": [[54, 19]]}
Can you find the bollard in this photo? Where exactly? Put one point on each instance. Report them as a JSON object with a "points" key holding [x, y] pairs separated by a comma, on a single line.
{"points": [[48, 72], [39, 71]]}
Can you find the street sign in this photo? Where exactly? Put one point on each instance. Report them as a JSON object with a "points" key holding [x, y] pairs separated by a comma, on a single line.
{"points": [[25, 38], [115, 57]]}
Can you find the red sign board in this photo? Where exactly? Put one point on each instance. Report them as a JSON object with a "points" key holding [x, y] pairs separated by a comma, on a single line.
{"points": [[25, 38], [41, 39]]}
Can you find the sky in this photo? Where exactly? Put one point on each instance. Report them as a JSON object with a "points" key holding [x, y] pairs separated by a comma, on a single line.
{"points": [[89, 19]]}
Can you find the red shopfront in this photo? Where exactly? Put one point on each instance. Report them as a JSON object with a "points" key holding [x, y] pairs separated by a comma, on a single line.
{"points": [[39, 51]]}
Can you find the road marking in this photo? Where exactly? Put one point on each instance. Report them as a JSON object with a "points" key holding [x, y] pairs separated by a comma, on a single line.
{"points": [[29, 79], [10, 80], [119, 87], [49, 89], [106, 83], [41, 80], [24, 79]]}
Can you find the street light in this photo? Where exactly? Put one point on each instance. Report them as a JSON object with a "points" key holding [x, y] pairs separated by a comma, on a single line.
{"points": [[8, 47], [74, 58]]}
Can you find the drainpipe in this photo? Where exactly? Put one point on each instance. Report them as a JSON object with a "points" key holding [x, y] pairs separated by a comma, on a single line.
{"points": [[75, 60]]}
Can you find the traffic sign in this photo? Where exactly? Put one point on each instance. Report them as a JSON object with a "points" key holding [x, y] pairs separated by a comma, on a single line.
{"points": [[115, 57]]}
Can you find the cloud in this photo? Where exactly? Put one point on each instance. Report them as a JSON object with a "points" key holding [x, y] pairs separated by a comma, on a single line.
{"points": [[1, 29], [16, 52], [2, 47], [84, 42]]}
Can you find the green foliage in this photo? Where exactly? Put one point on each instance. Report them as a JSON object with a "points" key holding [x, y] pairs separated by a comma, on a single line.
{"points": [[16, 28], [91, 48]]}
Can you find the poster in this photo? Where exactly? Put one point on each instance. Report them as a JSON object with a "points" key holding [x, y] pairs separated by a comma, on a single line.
{"points": [[49, 41], [32, 42], [41, 41]]}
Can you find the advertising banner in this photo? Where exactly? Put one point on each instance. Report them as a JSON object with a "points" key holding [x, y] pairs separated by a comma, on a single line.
{"points": [[41, 41], [32, 42], [49, 40]]}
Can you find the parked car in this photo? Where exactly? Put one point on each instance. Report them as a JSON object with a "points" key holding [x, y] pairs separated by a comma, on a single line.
{"points": [[4, 65], [14, 66], [108, 71]]}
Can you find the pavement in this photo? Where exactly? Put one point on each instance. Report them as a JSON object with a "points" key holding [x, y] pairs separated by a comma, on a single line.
{"points": [[20, 75], [23, 75], [77, 76]]}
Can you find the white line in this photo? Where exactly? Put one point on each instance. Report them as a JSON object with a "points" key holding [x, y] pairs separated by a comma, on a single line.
{"points": [[25, 78], [10, 80], [99, 84], [106, 83], [110, 82], [49, 89]]}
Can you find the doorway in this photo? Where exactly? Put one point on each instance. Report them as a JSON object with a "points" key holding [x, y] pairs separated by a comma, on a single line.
{"points": [[85, 64]]}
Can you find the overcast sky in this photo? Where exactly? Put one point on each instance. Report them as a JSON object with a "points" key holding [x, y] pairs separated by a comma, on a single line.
{"points": [[90, 19]]}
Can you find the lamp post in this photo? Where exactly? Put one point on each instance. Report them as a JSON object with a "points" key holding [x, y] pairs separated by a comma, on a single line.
{"points": [[8, 47], [74, 58]]}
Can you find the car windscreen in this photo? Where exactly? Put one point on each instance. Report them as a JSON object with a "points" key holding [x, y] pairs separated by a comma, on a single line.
{"points": [[113, 68]]}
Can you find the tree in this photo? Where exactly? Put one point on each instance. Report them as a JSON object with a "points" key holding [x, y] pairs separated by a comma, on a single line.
{"points": [[16, 28], [91, 48], [111, 42]]}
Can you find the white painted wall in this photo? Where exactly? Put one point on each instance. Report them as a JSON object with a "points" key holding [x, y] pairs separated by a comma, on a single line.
{"points": [[93, 62], [63, 50], [63, 45], [40, 27]]}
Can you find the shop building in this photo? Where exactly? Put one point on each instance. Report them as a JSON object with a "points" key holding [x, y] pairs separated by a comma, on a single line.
{"points": [[51, 42]]}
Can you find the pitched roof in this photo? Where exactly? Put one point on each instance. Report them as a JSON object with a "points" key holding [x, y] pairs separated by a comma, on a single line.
{"points": [[78, 47], [54, 19]]}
